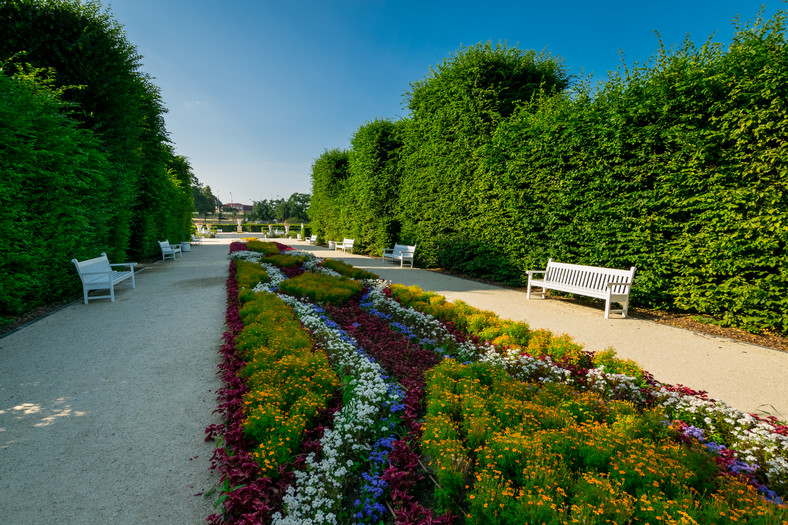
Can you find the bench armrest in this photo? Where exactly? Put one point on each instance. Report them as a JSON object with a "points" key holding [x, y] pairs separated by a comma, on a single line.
{"points": [[388, 251], [531, 272], [131, 265]]}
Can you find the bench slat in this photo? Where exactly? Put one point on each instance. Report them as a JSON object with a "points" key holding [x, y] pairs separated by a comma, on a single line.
{"points": [[610, 284], [401, 252], [168, 250], [97, 274]]}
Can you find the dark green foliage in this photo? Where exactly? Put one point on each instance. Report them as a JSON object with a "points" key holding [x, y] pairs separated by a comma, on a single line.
{"points": [[53, 180], [372, 188], [86, 48], [355, 194], [329, 173], [454, 113], [115, 186], [293, 209], [679, 168], [471, 256], [205, 201]]}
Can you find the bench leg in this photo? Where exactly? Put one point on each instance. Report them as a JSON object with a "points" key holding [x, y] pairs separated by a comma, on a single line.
{"points": [[111, 293], [607, 309], [541, 294], [85, 293]]}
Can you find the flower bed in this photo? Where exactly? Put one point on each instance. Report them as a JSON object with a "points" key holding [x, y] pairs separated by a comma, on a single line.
{"points": [[399, 407]]}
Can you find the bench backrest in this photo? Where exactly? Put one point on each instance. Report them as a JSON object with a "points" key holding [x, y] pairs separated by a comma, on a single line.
{"points": [[593, 277], [348, 242], [400, 248], [95, 265], [165, 245]]}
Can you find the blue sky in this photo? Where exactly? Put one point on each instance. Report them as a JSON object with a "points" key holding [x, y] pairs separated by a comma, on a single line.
{"points": [[258, 89]]}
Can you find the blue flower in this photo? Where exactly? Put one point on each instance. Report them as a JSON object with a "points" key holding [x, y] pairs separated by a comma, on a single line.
{"points": [[714, 447], [694, 432], [741, 467], [770, 495]]}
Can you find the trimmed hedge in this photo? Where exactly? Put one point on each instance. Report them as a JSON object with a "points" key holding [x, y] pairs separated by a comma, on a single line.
{"points": [[82, 170], [679, 168]]}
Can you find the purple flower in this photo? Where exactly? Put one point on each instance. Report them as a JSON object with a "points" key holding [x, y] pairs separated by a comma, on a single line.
{"points": [[714, 447], [694, 432]]}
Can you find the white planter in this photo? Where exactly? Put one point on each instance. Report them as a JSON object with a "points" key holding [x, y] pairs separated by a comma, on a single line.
{"points": [[186, 247], [332, 245]]}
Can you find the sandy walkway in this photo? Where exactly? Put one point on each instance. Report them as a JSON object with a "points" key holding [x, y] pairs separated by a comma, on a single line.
{"points": [[103, 406]]}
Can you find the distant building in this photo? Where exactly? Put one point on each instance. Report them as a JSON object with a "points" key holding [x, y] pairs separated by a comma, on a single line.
{"points": [[244, 208]]}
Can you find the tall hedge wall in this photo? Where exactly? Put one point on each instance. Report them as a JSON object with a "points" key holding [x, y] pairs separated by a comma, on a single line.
{"points": [[356, 193], [85, 161], [42, 148], [678, 168]]}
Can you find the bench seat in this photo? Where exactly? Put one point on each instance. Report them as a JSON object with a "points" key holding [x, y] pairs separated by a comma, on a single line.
{"points": [[168, 250], [97, 274], [609, 284], [402, 253], [345, 245]]}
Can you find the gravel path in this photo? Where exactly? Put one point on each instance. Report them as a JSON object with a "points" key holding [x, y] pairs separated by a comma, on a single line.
{"points": [[103, 406]]}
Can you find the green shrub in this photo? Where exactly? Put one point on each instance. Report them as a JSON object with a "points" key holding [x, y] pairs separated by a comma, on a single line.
{"points": [[347, 270], [250, 274], [322, 288], [285, 261], [267, 248]]}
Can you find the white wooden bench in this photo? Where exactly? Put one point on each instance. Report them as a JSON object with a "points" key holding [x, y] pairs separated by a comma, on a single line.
{"points": [[168, 250], [345, 245], [312, 239], [401, 252], [97, 274], [602, 283], [196, 239]]}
